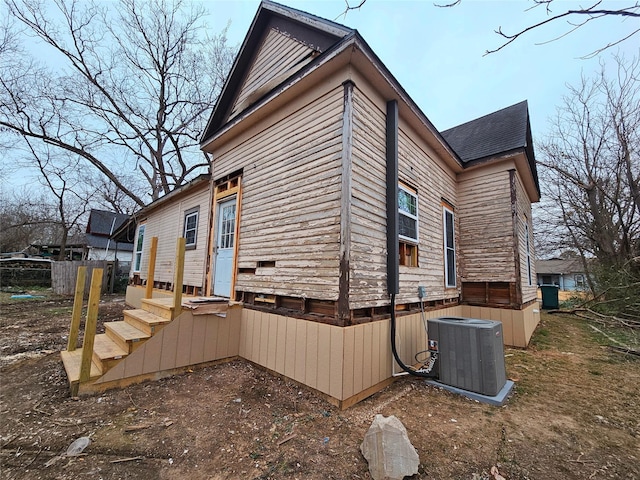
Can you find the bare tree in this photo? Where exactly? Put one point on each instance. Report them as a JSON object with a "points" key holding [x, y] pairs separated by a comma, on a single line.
{"points": [[125, 91], [591, 169], [575, 18]]}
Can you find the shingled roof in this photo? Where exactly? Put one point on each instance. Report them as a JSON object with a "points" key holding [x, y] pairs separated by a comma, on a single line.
{"points": [[499, 133], [490, 135]]}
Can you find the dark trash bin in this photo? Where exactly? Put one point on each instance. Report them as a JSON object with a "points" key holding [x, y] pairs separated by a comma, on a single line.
{"points": [[550, 297]]}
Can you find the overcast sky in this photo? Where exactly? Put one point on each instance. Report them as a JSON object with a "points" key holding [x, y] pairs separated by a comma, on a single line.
{"points": [[437, 53]]}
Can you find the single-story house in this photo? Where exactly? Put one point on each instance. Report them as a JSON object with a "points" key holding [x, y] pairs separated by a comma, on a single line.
{"points": [[566, 273], [331, 196]]}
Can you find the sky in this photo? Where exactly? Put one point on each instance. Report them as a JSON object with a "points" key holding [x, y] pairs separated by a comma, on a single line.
{"points": [[437, 54]]}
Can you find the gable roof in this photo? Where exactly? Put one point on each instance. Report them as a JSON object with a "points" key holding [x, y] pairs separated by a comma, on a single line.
{"points": [[318, 33], [499, 133], [104, 223], [559, 266]]}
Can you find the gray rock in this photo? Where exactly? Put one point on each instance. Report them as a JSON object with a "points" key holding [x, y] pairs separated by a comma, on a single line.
{"points": [[387, 448]]}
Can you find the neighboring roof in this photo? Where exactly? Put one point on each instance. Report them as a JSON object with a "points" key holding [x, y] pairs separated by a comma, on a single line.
{"points": [[559, 266], [502, 132], [104, 223], [317, 32], [102, 242]]}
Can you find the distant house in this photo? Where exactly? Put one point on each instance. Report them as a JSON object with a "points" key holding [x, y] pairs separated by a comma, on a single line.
{"points": [[331, 193], [566, 273], [98, 242]]}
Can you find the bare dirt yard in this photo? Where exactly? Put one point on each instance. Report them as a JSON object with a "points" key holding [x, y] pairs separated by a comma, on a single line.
{"points": [[575, 414]]}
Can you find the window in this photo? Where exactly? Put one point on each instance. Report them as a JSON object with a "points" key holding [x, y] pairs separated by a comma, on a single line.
{"points": [[579, 279], [191, 227], [408, 226], [449, 247], [408, 210], [528, 247], [139, 245]]}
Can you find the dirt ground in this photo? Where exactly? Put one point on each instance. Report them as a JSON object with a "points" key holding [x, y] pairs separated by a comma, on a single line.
{"points": [[575, 414]]}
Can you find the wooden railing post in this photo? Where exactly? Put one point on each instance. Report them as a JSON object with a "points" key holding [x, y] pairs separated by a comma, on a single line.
{"points": [[153, 250], [178, 275], [77, 309], [90, 324]]}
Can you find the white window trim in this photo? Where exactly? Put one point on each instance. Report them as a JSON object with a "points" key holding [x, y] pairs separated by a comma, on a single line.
{"points": [[414, 241], [447, 280], [528, 247], [137, 264], [190, 213]]}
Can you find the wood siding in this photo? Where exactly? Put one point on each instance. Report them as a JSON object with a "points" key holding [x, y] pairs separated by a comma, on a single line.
{"points": [[485, 244], [418, 167], [278, 56], [523, 206], [167, 223], [291, 200]]}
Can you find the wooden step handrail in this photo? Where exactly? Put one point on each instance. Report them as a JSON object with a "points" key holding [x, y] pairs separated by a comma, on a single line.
{"points": [[178, 276], [77, 309], [90, 325], [151, 271]]}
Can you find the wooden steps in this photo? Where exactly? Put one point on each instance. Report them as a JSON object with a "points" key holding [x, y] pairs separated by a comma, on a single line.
{"points": [[145, 321], [106, 353], [72, 361], [123, 337]]}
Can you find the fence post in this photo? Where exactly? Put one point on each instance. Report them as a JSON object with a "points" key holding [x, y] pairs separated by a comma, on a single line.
{"points": [[178, 275], [148, 293], [90, 324], [77, 309]]}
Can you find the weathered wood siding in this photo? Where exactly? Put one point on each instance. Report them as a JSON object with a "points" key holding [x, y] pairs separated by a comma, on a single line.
{"points": [[523, 205], [167, 223], [418, 167], [485, 246], [290, 198], [279, 54]]}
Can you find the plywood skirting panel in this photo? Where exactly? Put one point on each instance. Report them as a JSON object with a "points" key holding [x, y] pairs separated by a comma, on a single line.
{"points": [[187, 340]]}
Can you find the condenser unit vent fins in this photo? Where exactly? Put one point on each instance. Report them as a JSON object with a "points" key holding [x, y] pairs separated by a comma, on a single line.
{"points": [[470, 353]]}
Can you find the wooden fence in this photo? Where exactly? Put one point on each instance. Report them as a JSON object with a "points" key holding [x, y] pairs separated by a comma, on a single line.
{"points": [[64, 274]]}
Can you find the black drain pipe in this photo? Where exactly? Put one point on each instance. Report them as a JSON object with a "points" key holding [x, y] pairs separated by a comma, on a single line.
{"points": [[393, 253]]}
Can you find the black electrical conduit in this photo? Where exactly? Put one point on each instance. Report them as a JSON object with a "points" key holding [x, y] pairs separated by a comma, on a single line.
{"points": [[394, 349], [393, 283]]}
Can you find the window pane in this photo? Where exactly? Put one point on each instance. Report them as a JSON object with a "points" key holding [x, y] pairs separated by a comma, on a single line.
{"points": [[407, 202], [451, 268], [408, 227], [449, 229]]}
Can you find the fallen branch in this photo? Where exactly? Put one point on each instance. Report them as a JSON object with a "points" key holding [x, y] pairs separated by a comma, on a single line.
{"points": [[630, 351], [129, 459], [286, 439]]}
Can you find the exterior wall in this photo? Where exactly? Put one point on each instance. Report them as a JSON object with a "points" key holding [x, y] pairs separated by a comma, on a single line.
{"points": [[167, 223], [523, 205], [347, 362], [102, 254], [420, 168], [517, 325], [291, 187], [486, 250], [278, 54]]}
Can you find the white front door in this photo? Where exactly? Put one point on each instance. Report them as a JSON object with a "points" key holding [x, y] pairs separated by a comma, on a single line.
{"points": [[224, 248]]}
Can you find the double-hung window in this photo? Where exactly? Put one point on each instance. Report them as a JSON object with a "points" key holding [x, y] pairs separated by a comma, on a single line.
{"points": [[449, 247], [139, 245], [528, 253], [408, 226], [191, 227]]}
